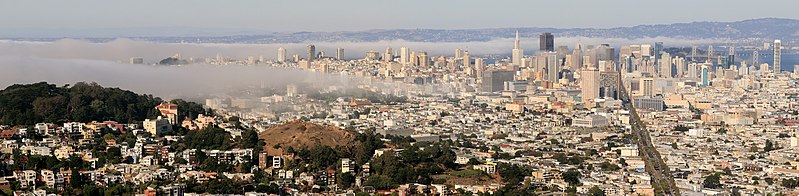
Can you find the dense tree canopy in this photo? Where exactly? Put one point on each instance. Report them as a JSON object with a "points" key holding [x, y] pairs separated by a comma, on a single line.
{"points": [[26, 104]]}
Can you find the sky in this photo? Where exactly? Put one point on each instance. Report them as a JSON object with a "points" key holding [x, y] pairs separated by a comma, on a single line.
{"points": [[98, 17]]}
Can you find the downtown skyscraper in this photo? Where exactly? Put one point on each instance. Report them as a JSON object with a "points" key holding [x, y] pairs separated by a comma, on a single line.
{"points": [[311, 52], [518, 53], [281, 54], [546, 42], [777, 55]]}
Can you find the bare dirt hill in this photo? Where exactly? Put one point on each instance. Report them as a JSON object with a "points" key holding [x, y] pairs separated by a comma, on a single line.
{"points": [[299, 134]]}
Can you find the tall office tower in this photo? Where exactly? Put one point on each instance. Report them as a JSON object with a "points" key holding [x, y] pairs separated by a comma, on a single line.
{"points": [[546, 42], [423, 59], [777, 55], [603, 53], [467, 61], [646, 50], [413, 58], [562, 51], [281, 54], [658, 49], [647, 87], [755, 58], [628, 64], [518, 53], [705, 74], [339, 53], [552, 67], [796, 70], [388, 56], [577, 59], [478, 67], [295, 57], [494, 80], [589, 85], [665, 65], [730, 58], [692, 70], [679, 65], [609, 84], [458, 53], [709, 52], [405, 55], [694, 50], [311, 53]]}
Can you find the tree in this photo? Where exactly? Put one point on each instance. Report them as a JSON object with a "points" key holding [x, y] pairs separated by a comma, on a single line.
{"points": [[512, 174], [712, 181], [209, 138], [380, 182], [249, 139], [596, 191], [76, 180], [790, 183], [572, 177], [345, 180], [769, 146]]}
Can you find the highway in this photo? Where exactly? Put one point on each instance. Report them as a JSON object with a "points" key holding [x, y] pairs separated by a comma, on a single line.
{"points": [[662, 181]]}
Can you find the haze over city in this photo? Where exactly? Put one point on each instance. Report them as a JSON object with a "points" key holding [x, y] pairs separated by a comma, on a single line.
{"points": [[356, 97]]}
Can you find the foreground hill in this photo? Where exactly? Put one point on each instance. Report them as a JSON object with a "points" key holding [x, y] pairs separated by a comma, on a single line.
{"points": [[299, 134], [27, 104]]}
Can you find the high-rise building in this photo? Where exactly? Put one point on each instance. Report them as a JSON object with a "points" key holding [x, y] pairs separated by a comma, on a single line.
{"points": [[281, 54], [424, 61], [546, 42], [311, 52], [730, 58], [609, 84], [589, 85], [647, 87], [645, 50], [494, 80], [388, 56], [467, 61], [577, 59], [405, 55], [694, 50], [777, 55], [458, 53], [705, 71], [478, 67], [603, 53], [658, 49], [552, 67], [665, 65], [518, 53], [339, 53], [692, 70]]}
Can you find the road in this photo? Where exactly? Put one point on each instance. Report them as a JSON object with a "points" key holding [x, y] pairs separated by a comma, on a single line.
{"points": [[662, 181]]}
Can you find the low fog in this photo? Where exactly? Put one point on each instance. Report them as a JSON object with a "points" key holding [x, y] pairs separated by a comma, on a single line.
{"points": [[166, 81], [69, 61]]}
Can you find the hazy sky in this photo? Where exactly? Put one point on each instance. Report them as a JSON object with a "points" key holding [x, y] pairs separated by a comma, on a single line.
{"points": [[30, 16]]}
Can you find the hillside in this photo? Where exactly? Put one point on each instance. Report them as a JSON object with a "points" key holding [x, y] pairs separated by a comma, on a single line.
{"points": [[298, 134], [28, 104]]}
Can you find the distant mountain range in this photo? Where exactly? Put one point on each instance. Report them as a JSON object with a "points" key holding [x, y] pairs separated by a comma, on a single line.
{"points": [[765, 28]]}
